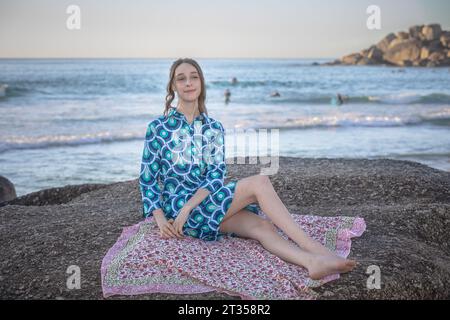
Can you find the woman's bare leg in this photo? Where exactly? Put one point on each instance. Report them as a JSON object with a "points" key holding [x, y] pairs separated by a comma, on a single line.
{"points": [[258, 188], [248, 225]]}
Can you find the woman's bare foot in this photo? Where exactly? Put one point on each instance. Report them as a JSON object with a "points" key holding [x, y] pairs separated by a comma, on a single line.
{"points": [[323, 265]]}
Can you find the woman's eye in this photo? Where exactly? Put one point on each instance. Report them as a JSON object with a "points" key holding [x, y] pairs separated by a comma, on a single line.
{"points": [[183, 79]]}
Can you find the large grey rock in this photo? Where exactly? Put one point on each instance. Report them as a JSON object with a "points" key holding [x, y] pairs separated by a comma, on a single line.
{"points": [[364, 61], [436, 56], [383, 45], [352, 58], [375, 54], [412, 48], [445, 39], [433, 46], [402, 35], [58, 195], [406, 206], [402, 51], [425, 53], [7, 190], [421, 63], [416, 32], [432, 32]]}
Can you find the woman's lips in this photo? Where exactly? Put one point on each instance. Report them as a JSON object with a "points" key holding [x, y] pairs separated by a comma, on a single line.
{"points": [[190, 91]]}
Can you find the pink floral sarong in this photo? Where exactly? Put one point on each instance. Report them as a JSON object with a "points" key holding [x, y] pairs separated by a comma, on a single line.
{"points": [[142, 262]]}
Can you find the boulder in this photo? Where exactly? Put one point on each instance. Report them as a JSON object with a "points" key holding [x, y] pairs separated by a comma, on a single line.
{"points": [[364, 61], [333, 63], [424, 53], [352, 58], [406, 63], [396, 42], [402, 35], [437, 56], [52, 196], [384, 44], [413, 48], [405, 50], [435, 45], [432, 32], [416, 32], [7, 190], [445, 39], [364, 52], [420, 63], [375, 54]]}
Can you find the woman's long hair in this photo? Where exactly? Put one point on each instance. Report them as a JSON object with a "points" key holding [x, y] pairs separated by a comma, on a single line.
{"points": [[171, 94]]}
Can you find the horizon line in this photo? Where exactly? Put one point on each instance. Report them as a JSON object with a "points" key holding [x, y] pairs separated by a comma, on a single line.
{"points": [[166, 58]]}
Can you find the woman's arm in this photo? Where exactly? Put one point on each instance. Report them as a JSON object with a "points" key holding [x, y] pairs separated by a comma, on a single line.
{"points": [[150, 172], [195, 200]]}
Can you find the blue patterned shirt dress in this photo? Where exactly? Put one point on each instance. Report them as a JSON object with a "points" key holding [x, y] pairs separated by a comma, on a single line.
{"points": [[183, 170]]}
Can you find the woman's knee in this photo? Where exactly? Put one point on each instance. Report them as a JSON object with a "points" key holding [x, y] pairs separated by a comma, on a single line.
{"points": [[259, 182], [260, 179], [246, 224]]}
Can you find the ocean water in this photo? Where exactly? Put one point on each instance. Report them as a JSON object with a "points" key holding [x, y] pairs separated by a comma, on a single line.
{"points": [[84, 120]]}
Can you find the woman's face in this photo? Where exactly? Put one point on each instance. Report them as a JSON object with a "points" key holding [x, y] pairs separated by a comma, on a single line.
{"points": [[187, 82]]}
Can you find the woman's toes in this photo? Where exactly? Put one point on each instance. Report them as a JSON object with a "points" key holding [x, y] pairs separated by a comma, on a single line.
{"points": [[323, 266]]}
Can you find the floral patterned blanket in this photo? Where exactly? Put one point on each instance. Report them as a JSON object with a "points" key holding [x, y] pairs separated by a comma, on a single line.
{"points": [[141, 262]]}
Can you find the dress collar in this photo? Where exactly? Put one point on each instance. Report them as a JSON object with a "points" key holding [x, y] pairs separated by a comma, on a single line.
{"points": [[179, 115]]}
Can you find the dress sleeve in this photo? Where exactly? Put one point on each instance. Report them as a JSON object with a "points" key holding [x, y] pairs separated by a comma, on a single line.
{"points": [[150, 172], [216, 167]]}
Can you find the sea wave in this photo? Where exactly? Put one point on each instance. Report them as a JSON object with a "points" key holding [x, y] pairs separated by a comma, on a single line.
{"points": [[392, 99], [43, 142], [441, 118]]}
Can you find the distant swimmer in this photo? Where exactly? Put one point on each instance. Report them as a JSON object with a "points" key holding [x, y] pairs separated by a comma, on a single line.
{"points": [[227, 95], [3, 89], [275, 94], [234, 80], [339, 100]]}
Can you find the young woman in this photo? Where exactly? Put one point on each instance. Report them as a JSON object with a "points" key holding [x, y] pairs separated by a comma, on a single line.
{"points": [[195, 200]]}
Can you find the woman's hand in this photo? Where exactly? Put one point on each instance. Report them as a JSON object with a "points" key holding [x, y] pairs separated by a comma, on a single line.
{"points": [[166, 228], [180, 220]]}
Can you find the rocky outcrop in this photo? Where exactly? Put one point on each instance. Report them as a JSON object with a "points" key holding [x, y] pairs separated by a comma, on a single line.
{"points": [[7, 190], [406, 206], [421, 46], [53, 195]]}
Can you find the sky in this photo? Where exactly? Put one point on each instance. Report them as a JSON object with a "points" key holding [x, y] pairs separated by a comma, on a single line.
{"points": [[205, 28]]}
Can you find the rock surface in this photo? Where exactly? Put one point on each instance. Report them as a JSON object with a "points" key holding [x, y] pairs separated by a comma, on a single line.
{"points": [[406, 206], [7, 190], [421, 46]]}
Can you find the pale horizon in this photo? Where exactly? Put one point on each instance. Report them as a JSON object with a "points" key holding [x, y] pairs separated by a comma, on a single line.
{"points": [[264, 29]]}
